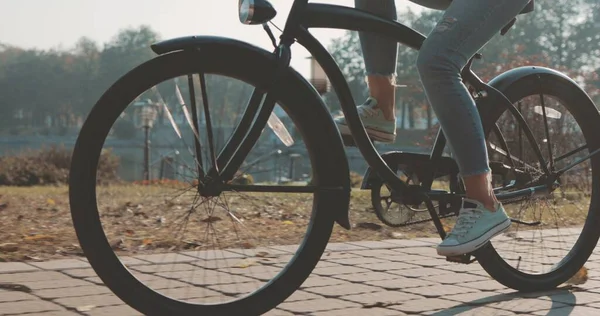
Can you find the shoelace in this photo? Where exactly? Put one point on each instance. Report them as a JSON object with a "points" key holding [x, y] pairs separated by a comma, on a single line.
{"points": [[465, 221]]}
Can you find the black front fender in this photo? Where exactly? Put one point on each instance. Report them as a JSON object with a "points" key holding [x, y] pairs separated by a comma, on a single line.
{"points": [[194, 42]]}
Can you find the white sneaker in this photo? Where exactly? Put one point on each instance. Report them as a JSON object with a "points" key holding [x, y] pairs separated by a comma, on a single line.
{"points": [[376, 125], [475, 226]]}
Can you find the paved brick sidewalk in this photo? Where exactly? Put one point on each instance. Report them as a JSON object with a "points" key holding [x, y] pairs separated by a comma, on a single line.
{"points": [[394, 277]]}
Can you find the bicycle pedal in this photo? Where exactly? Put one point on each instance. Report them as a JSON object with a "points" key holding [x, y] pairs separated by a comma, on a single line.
{"points": [[464, 259]]}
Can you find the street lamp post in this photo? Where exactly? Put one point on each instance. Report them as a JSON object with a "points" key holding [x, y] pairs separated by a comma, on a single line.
{"points": [[146, 112], [318, 77]]}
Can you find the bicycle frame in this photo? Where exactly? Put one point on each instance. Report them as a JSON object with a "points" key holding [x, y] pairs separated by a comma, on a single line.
{"points": [[304, 16]]}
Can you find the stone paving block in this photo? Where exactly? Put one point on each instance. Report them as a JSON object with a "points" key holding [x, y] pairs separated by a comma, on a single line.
{"points": [[342, 290], [421, 251], [96, 280], [387, 266], [80, 273], [372, 244], [73, 291], [359, 312], [89, 300], [212, 254], [63, 312], [400, 283], [480, 298], [488, 285], [459, 267], [439, 290], [386, 297], [377, 253], [338, 255], [470, 311], [331, 271], [342, 247], [155, 268], [11, 267], [166, 258], [55, 284], [418, 272], [300, 295], [429, 263], [526, 305], [407, 243], [407, 258], [571, 298], [278, 312], [14, 296], [33, 276], [316, 281], [454, 278], [62, 264], [570, 310], [424, 305], [357, 261], [364, 277], [131, 261], [120, 310], [23, 307], [316, 305]]}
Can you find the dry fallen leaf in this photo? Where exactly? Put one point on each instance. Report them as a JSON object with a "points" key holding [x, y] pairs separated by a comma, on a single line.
{"points": [[244, 263], [288, 223], [51, 202], [579, 278]]}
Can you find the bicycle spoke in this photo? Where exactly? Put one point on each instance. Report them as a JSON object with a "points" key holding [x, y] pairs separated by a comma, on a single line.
{"points": [[576, 162], [546, 128], [572, 152]]}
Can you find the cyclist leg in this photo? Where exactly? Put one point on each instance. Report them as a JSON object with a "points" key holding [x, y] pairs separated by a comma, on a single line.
{"points": [[467, 25]]}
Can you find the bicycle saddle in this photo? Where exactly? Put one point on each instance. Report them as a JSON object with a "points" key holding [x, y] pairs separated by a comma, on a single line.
{"points": [[444, 4]]}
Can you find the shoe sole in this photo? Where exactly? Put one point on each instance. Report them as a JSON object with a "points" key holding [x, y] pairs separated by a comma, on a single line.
{"points": [[449, 251], [374, 134]]}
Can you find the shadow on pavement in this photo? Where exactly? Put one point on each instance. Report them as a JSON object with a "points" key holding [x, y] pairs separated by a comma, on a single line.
{"points": [[556, 302]]}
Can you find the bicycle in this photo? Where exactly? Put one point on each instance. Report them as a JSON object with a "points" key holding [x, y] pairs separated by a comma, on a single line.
{"points": [[275, 83]]}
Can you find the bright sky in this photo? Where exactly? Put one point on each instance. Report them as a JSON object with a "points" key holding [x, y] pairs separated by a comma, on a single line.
{"points": [[60, 23]]}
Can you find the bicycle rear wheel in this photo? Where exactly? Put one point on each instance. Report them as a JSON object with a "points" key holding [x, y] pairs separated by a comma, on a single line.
{"points": [[163, 256], [554, 234]]}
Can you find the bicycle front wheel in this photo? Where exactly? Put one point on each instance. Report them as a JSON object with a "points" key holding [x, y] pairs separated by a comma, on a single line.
{"points": [[159, 238]]}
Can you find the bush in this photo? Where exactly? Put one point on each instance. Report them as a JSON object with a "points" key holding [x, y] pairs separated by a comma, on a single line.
{"points": [[50, 167]]}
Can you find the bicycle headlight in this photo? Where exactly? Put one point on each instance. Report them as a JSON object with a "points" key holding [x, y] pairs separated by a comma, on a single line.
{"points": [[255, 11]]}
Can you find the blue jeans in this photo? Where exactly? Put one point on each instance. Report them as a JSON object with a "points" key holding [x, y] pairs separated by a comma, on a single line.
{"points": [[467, 25]]}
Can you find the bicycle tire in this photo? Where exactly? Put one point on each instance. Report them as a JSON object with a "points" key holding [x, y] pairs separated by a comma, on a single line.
{"points": [[587, 116], [252, 65]]}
